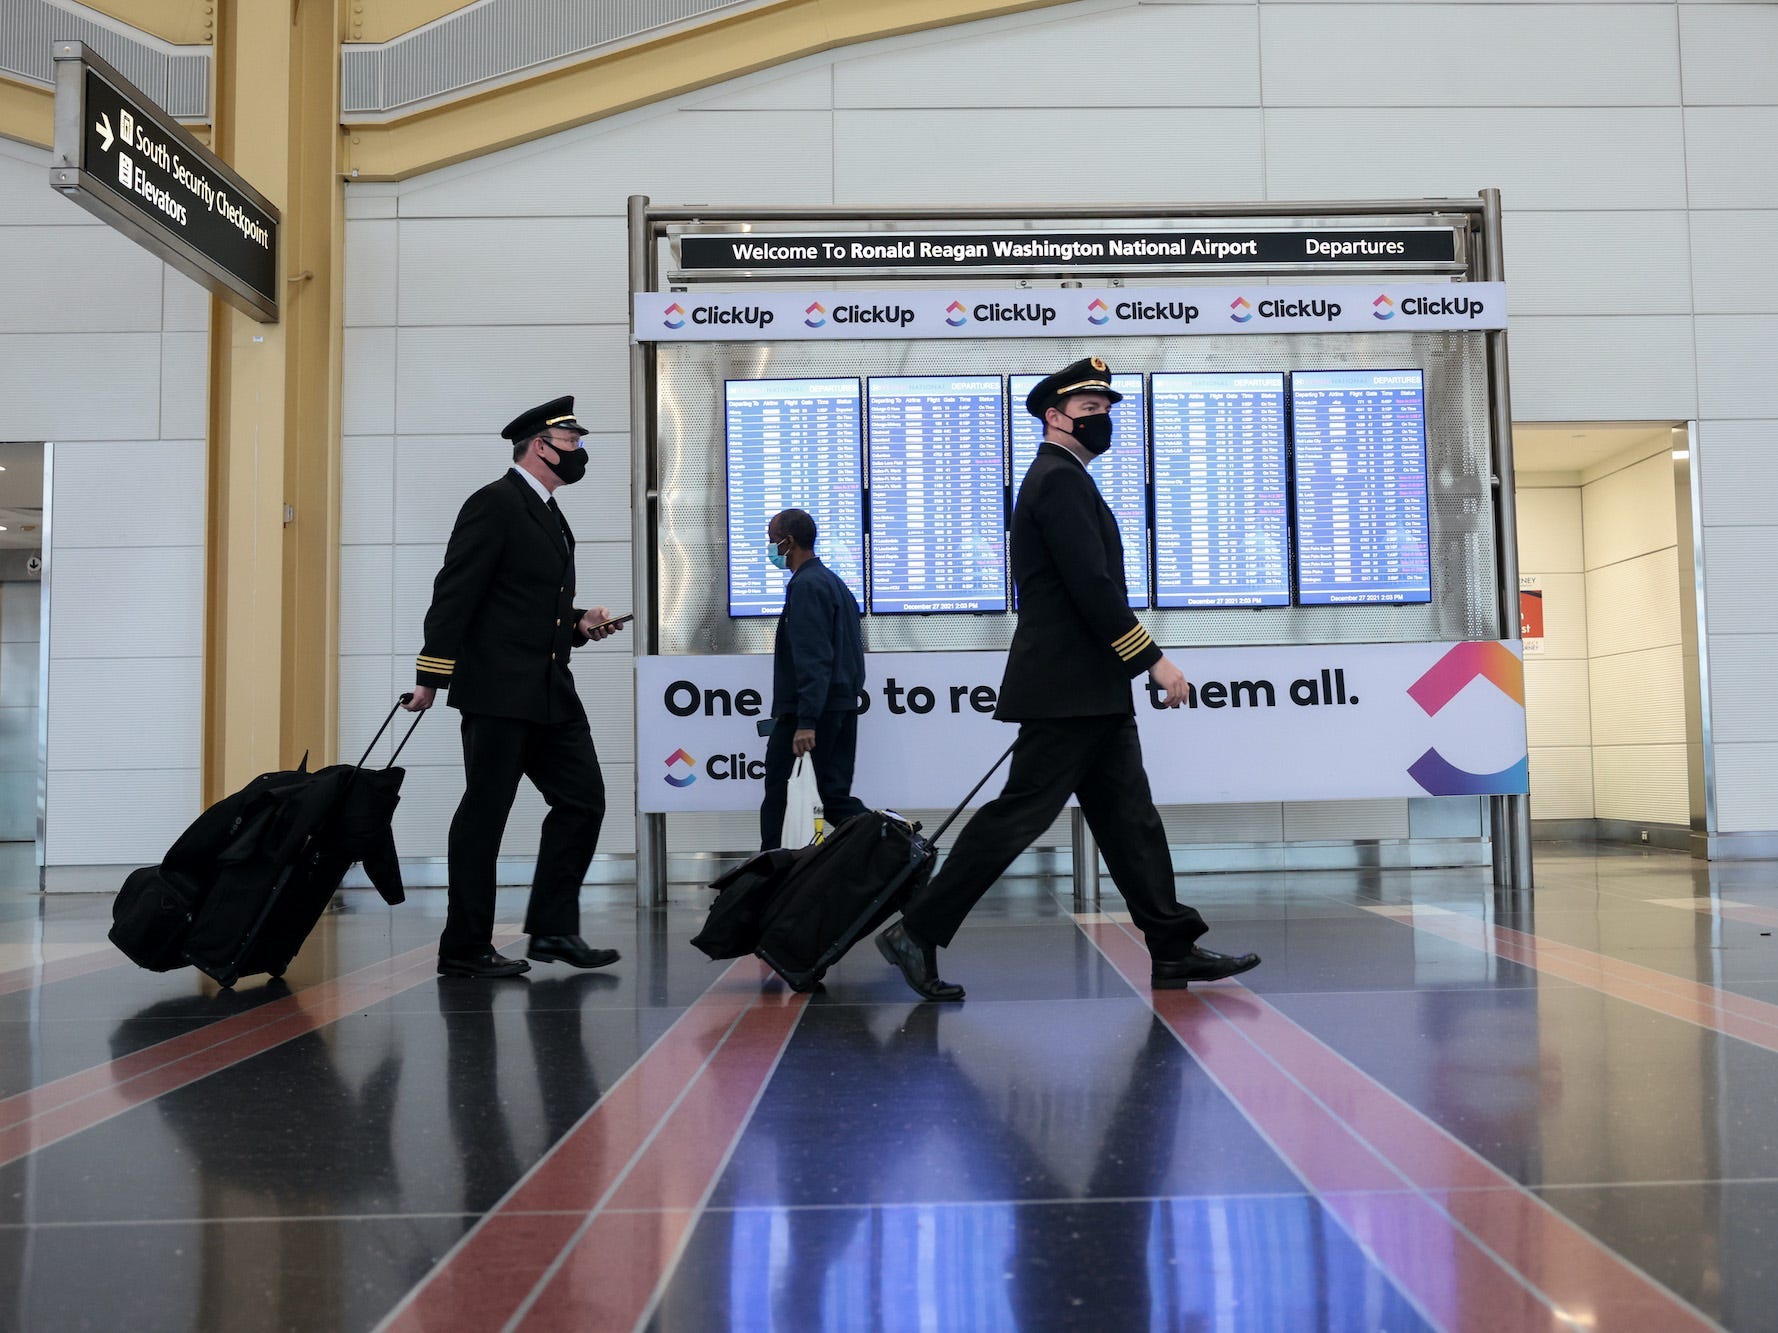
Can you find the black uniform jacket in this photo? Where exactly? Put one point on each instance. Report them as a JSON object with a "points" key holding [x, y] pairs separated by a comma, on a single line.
{"points": [[818, 655], [503, 618], [1077, 645]]}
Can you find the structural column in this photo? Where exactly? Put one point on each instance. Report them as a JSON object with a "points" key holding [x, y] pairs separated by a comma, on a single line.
{"points": [[271, 636]]}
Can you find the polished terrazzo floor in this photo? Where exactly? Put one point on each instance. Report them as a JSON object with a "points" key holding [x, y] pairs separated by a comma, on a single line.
{"points": [[1432, 1107]]}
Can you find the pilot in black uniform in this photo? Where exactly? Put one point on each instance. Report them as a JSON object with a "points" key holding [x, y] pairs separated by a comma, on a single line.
{"points": [[1067, 684], [498, 636]]}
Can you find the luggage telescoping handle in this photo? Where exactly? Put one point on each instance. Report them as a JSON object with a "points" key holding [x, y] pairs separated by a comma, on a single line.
{"points": [[380, 730], [939, 832]]}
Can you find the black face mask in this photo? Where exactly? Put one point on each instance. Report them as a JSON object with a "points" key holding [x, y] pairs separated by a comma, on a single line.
{"points": [[1093, 433], [570, 465]]}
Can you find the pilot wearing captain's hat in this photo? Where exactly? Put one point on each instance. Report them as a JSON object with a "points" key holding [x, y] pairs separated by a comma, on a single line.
{"points": [[498, 637], [1067, 684]]}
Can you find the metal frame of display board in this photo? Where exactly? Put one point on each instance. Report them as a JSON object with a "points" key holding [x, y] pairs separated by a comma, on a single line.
{"points": [[1479, 258]]}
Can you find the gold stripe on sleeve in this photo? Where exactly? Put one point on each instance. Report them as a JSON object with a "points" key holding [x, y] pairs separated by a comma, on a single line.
{"points": [[1136, 649], [1136, 632]]}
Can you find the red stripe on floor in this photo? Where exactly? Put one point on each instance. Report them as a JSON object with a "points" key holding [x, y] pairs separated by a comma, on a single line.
{"points": [[62, 969], [1460, 1237], [656, 1140], [1752, 1021], [603, 1281], [48, 1114]]}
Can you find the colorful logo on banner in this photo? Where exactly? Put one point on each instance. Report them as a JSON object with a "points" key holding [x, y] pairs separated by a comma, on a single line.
{"points": [[1240, 310], [1443, 682], [1383, 307], [955, 315], [1098, 312], [814, 314], [688, 766], [675, 316]]}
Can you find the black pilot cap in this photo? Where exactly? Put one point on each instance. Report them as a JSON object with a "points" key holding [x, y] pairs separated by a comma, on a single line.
{"points": [[1090, 375], [556, 412]]}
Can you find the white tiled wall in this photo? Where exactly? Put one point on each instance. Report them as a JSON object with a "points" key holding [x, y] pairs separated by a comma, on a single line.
{"points": [[1636, 674], [103, 352], [1737, 464]]}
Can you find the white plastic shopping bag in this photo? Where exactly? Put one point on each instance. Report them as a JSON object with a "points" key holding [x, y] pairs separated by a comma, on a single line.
{"points": [[802, 813]]}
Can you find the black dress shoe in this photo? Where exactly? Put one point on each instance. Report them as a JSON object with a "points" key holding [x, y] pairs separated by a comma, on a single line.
{"points": [[918, 964], [1199, 965], [570, 949], [489, 964]]}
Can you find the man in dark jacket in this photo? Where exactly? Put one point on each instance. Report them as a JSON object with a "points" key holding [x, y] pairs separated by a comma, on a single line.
{"points": [[498, 636], [1067, 684], [817, 672]]}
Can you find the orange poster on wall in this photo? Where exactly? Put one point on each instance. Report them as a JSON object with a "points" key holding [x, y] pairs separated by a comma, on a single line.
{"points": [[1531, 613]]}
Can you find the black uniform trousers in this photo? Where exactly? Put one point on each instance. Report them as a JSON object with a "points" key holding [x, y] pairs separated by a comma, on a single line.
{"points": [[835, 755], [1099, 761], [560, 761]]}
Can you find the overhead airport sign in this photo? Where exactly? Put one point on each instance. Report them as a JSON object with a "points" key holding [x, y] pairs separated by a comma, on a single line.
{"points": [[1160, 250], [124, 159], [1068, 312]]}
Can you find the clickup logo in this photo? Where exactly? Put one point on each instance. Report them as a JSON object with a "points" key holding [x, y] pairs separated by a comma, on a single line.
{"points": [[1383, 307], [956, 315], [1442, 683], [1098, 312], [1240, 310], [686, 765], [675, 316], [814, 315]]}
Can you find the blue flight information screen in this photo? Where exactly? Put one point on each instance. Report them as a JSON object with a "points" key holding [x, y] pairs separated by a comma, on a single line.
{"points": [[1221, 482], [937, 476], [1121, 471], [1362, 528], [792, 444]]}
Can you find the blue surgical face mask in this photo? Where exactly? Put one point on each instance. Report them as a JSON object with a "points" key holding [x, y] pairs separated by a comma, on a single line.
{"points": [[775, 555]]}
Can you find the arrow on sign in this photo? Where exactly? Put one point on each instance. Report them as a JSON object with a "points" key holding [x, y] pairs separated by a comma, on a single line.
{"points": [[104, 128]]}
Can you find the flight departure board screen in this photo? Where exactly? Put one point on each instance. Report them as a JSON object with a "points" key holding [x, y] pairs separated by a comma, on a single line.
{"points": [[792, 444], [1121, 471], [936, 460], [1221, 503], [1361, 526]]}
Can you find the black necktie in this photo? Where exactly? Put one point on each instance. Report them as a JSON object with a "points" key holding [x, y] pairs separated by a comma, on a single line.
{"points": [[561, 523]]}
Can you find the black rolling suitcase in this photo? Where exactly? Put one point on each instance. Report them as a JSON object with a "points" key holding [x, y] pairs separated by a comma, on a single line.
{"points": [[152, 914], [846, 887], [243, 887], [742, 895]]}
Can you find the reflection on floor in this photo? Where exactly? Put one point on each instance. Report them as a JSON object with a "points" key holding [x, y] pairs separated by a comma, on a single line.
{"points": [[1432, 1107]]}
